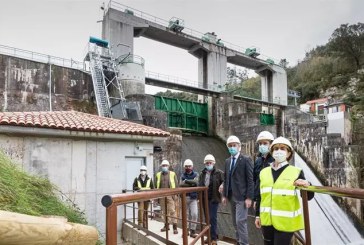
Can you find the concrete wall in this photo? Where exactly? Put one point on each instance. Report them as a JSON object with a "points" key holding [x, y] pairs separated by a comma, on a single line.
{"points": [[339, 122], [24, 86], [84, 170], [241, 119]]}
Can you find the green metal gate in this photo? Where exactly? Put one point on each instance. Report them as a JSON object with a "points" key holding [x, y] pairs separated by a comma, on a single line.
{"points": [[186, 115], [266, 119]]}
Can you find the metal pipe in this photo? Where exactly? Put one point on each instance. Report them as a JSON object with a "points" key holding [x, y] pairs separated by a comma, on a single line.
{"points": [[50, 87], [118, 199]]}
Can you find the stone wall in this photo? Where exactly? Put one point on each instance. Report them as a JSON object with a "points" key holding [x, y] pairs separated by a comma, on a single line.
{"points": [[335, 163], [24, 86], [242, 119]]}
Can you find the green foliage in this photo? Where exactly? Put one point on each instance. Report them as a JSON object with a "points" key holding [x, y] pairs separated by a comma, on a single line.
{"points": [[22, 193], [178, 95], [348, 42], [331, 65], [249, 88]]}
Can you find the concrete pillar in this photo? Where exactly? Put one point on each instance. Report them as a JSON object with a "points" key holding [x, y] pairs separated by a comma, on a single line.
{"points": [[120, 35], [212, 70], [274, 84]]}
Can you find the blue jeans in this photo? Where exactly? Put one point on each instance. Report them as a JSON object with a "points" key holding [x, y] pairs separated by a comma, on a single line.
{"points": [[213, 206]]}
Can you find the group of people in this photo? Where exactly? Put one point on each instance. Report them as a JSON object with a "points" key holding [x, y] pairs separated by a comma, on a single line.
{"points": [[268, 185]]}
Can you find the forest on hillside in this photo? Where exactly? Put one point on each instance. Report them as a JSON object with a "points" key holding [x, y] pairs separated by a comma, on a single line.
{"points": [[334, 70]]}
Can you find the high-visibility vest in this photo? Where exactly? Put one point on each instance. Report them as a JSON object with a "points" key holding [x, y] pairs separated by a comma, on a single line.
{"points": [[147, 186], [171, 179], [280, 205]]}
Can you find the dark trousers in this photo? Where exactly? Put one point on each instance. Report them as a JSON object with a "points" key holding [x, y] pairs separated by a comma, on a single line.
{"points": [[274, 237], [213, 206]]}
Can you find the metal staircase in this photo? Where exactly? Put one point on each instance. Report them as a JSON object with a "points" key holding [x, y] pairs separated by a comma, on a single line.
{"points": [[100, 90], [108, 89]]}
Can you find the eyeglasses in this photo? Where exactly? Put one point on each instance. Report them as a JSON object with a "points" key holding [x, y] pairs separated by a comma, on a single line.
{"points": [[208, 163], [263, 143]]}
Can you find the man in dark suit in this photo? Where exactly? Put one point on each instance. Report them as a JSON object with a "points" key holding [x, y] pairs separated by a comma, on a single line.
{"points": [[238, 188]]}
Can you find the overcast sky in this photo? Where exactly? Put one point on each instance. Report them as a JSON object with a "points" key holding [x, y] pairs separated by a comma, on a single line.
{"points": [[280, 28]]}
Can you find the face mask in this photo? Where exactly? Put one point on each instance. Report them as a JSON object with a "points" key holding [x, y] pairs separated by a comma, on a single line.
{"points": [[233, 151], [209, 167], [188, 170], [164, 169], [143, 172], [264, 149], [279, 156]]}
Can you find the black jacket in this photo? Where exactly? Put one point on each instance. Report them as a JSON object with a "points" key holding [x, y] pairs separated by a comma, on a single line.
{"points": [[260, 163], [216, 179], [144, 183]]}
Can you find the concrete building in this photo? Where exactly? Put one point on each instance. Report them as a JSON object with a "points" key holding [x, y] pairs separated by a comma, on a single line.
{"points": [[86, 156]]}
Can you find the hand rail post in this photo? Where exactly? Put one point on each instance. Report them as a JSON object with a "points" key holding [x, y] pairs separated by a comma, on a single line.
{"points": [[207, 216], [111, 225], [306, 217], [184, 219], [200, 212]]}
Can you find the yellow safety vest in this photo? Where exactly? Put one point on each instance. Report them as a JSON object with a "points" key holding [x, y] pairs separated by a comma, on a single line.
{"points": [[171, 179], [280, 205], [147, 186]]}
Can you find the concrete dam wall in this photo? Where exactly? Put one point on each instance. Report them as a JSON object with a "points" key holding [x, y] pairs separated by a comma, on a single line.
{"points": [[27, 85]]}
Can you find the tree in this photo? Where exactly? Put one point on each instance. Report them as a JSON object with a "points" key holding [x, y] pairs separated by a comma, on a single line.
{"points": [[178, 95], [348, 40]]}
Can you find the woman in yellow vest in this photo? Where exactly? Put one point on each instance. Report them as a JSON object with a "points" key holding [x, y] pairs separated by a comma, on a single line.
{"points": [[278, 210]]}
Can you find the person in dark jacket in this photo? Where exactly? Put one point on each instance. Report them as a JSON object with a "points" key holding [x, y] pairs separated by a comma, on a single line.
{"points": [[238, 188], [141, 183], [264, 159], [212, 178], [190, 179], [278, 210]]}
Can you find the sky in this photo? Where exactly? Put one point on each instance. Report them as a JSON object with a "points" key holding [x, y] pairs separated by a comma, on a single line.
{"points": [[279, 28]]}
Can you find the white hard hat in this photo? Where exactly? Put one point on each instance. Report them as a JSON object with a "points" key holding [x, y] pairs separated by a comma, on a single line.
{"points": [[233, 139], [209, 158], [165, 162], [282, 140], [188, 162], [143, 168], [265, 135]]}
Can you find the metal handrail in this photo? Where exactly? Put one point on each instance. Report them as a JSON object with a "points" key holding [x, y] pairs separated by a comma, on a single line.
{"points": [[111, 202], [333, 191], [30, 55]]}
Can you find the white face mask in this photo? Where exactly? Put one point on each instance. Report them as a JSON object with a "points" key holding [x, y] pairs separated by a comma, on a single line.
{"points": [[279, 156], [143, 172]]}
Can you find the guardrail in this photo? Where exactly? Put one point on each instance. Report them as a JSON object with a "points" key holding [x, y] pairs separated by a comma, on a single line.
{"points": [[111, 202], [333, 191], [30, 55]]}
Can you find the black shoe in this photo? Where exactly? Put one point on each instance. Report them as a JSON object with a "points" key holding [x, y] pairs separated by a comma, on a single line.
{"points": [[193, 234]]}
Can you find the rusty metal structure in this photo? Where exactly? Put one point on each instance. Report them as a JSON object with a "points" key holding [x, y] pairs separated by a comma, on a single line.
{"points": [[111, 202]]}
